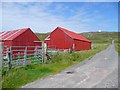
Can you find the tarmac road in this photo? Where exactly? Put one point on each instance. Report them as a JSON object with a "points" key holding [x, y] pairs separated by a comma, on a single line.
{"points": [[99, 72]]}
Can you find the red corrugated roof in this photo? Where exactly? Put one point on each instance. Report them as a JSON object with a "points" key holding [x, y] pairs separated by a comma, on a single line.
{"points": [[73, 35], [11, 35]]}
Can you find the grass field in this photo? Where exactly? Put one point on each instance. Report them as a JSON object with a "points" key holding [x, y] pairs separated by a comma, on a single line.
{"points": [[102, 37], [21, 76]]}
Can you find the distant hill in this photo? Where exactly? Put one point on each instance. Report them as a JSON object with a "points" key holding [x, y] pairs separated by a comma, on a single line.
{"points": [[101, 37], [95, 37], [42, 36]]}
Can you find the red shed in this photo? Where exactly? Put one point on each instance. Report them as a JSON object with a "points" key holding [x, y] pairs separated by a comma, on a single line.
{"points": [[21, 37], [62, 38]]}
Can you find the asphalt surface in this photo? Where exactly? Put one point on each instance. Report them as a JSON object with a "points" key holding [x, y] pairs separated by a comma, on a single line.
{"points": [[101, 71]]}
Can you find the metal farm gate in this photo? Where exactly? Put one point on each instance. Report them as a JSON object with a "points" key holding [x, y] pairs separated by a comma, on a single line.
{"points": [[22, 55], [19, 56]]}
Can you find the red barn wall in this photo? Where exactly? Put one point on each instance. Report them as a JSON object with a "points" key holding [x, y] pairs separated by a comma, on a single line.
{"points": [[59, 40], [7, 43], [82, 45], [26, 39]]}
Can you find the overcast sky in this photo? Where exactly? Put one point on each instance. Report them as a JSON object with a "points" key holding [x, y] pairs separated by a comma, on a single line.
{"points": [[46, 16]]}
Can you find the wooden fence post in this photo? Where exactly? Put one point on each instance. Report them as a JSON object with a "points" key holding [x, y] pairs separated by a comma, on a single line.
{"points": [[6, 51], [35, 54], [18, 58], [9, 58], [42, 53], [11, 53], [44, 48], [1, 54], [45, 52], [1, 60], [25, 56]]}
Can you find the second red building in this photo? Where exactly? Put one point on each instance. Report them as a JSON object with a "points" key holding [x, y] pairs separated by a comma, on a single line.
{"points": [[63, 39]]}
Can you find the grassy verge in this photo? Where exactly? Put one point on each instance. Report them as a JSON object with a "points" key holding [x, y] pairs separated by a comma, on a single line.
{"points": [[0, 78], [21, 76], [117, 47]]}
